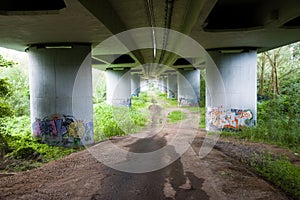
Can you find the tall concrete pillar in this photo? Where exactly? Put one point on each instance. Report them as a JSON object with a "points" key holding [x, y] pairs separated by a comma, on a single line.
{"points": [[160, 84], [231, 98], [164, 84], [188, 87], [60, 79], [144, 85], [135, 85], [118, 87], [172, 85]]}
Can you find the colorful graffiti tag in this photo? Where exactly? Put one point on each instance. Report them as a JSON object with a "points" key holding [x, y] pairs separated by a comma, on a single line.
{"points": [[62, 131], [233, 119]]}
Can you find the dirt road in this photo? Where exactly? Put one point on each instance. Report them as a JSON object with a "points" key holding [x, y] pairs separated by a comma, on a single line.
{"points": [[82, 176]]}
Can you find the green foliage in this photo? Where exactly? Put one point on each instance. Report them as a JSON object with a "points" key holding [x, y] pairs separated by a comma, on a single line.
{"points": [[4, 88], [203, 89], [19, 90], [176, 116], [24, 151], [202, 117], [120, 120], [142, 101], [100, 83], [5, 108], [5, 92], [6, 63], [167, 102], [278, 123], [280, 171], [277, 70]]}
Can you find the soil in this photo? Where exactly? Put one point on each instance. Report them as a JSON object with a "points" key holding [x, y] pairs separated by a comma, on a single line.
{"points": [[219, 175]]}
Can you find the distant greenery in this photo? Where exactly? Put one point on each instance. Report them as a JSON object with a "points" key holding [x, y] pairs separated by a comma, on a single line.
{"points": [[19, 90], [5, 109], [167, 102]]}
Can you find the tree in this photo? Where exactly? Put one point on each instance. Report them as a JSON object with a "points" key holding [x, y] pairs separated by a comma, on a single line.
{"points": [[5, 109], [278, 69], [5, 90], [275, 60], [262, 62]]}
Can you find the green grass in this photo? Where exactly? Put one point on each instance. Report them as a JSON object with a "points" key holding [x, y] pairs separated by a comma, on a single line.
{"points": [[176, 116], [289, 139], [202, 117], [278, 124], [167, 102], [280, 171], [112, 121], [25, 152]]}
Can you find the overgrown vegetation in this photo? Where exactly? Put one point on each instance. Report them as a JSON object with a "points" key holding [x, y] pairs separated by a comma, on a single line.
{"points": [[18, 149], [278, 116], [176, 116], [278, 123], [167, 102], [119, 120], [280, 171]]}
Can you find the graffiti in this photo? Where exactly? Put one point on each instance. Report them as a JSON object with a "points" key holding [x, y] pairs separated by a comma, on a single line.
{"points": [[62, 131], [232, 119], [188, 102]]}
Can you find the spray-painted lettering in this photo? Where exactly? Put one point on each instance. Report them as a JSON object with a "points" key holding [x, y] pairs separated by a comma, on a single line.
{"points": [[234, 119]]}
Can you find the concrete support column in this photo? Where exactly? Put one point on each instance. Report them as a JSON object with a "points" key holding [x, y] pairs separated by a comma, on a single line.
{"points": [[164, 85], [144, 86], [118, 87], [172, 85], [160, 84], [188, 87], [135, 85], [231, 99], [61, 84]]}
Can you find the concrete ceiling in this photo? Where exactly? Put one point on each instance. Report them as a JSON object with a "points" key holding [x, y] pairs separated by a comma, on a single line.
{"points": [[215, 24]]}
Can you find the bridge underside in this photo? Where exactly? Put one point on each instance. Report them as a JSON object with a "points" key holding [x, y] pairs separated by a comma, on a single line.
{"points": [[169, 41]]}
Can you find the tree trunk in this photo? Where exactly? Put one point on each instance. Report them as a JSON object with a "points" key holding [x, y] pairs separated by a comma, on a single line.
{"points": [[262, 74]]}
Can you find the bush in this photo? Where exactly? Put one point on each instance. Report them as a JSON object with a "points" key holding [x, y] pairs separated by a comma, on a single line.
{"points": [[24, 151], [278, 123], [176, 116], [118, 120]]}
